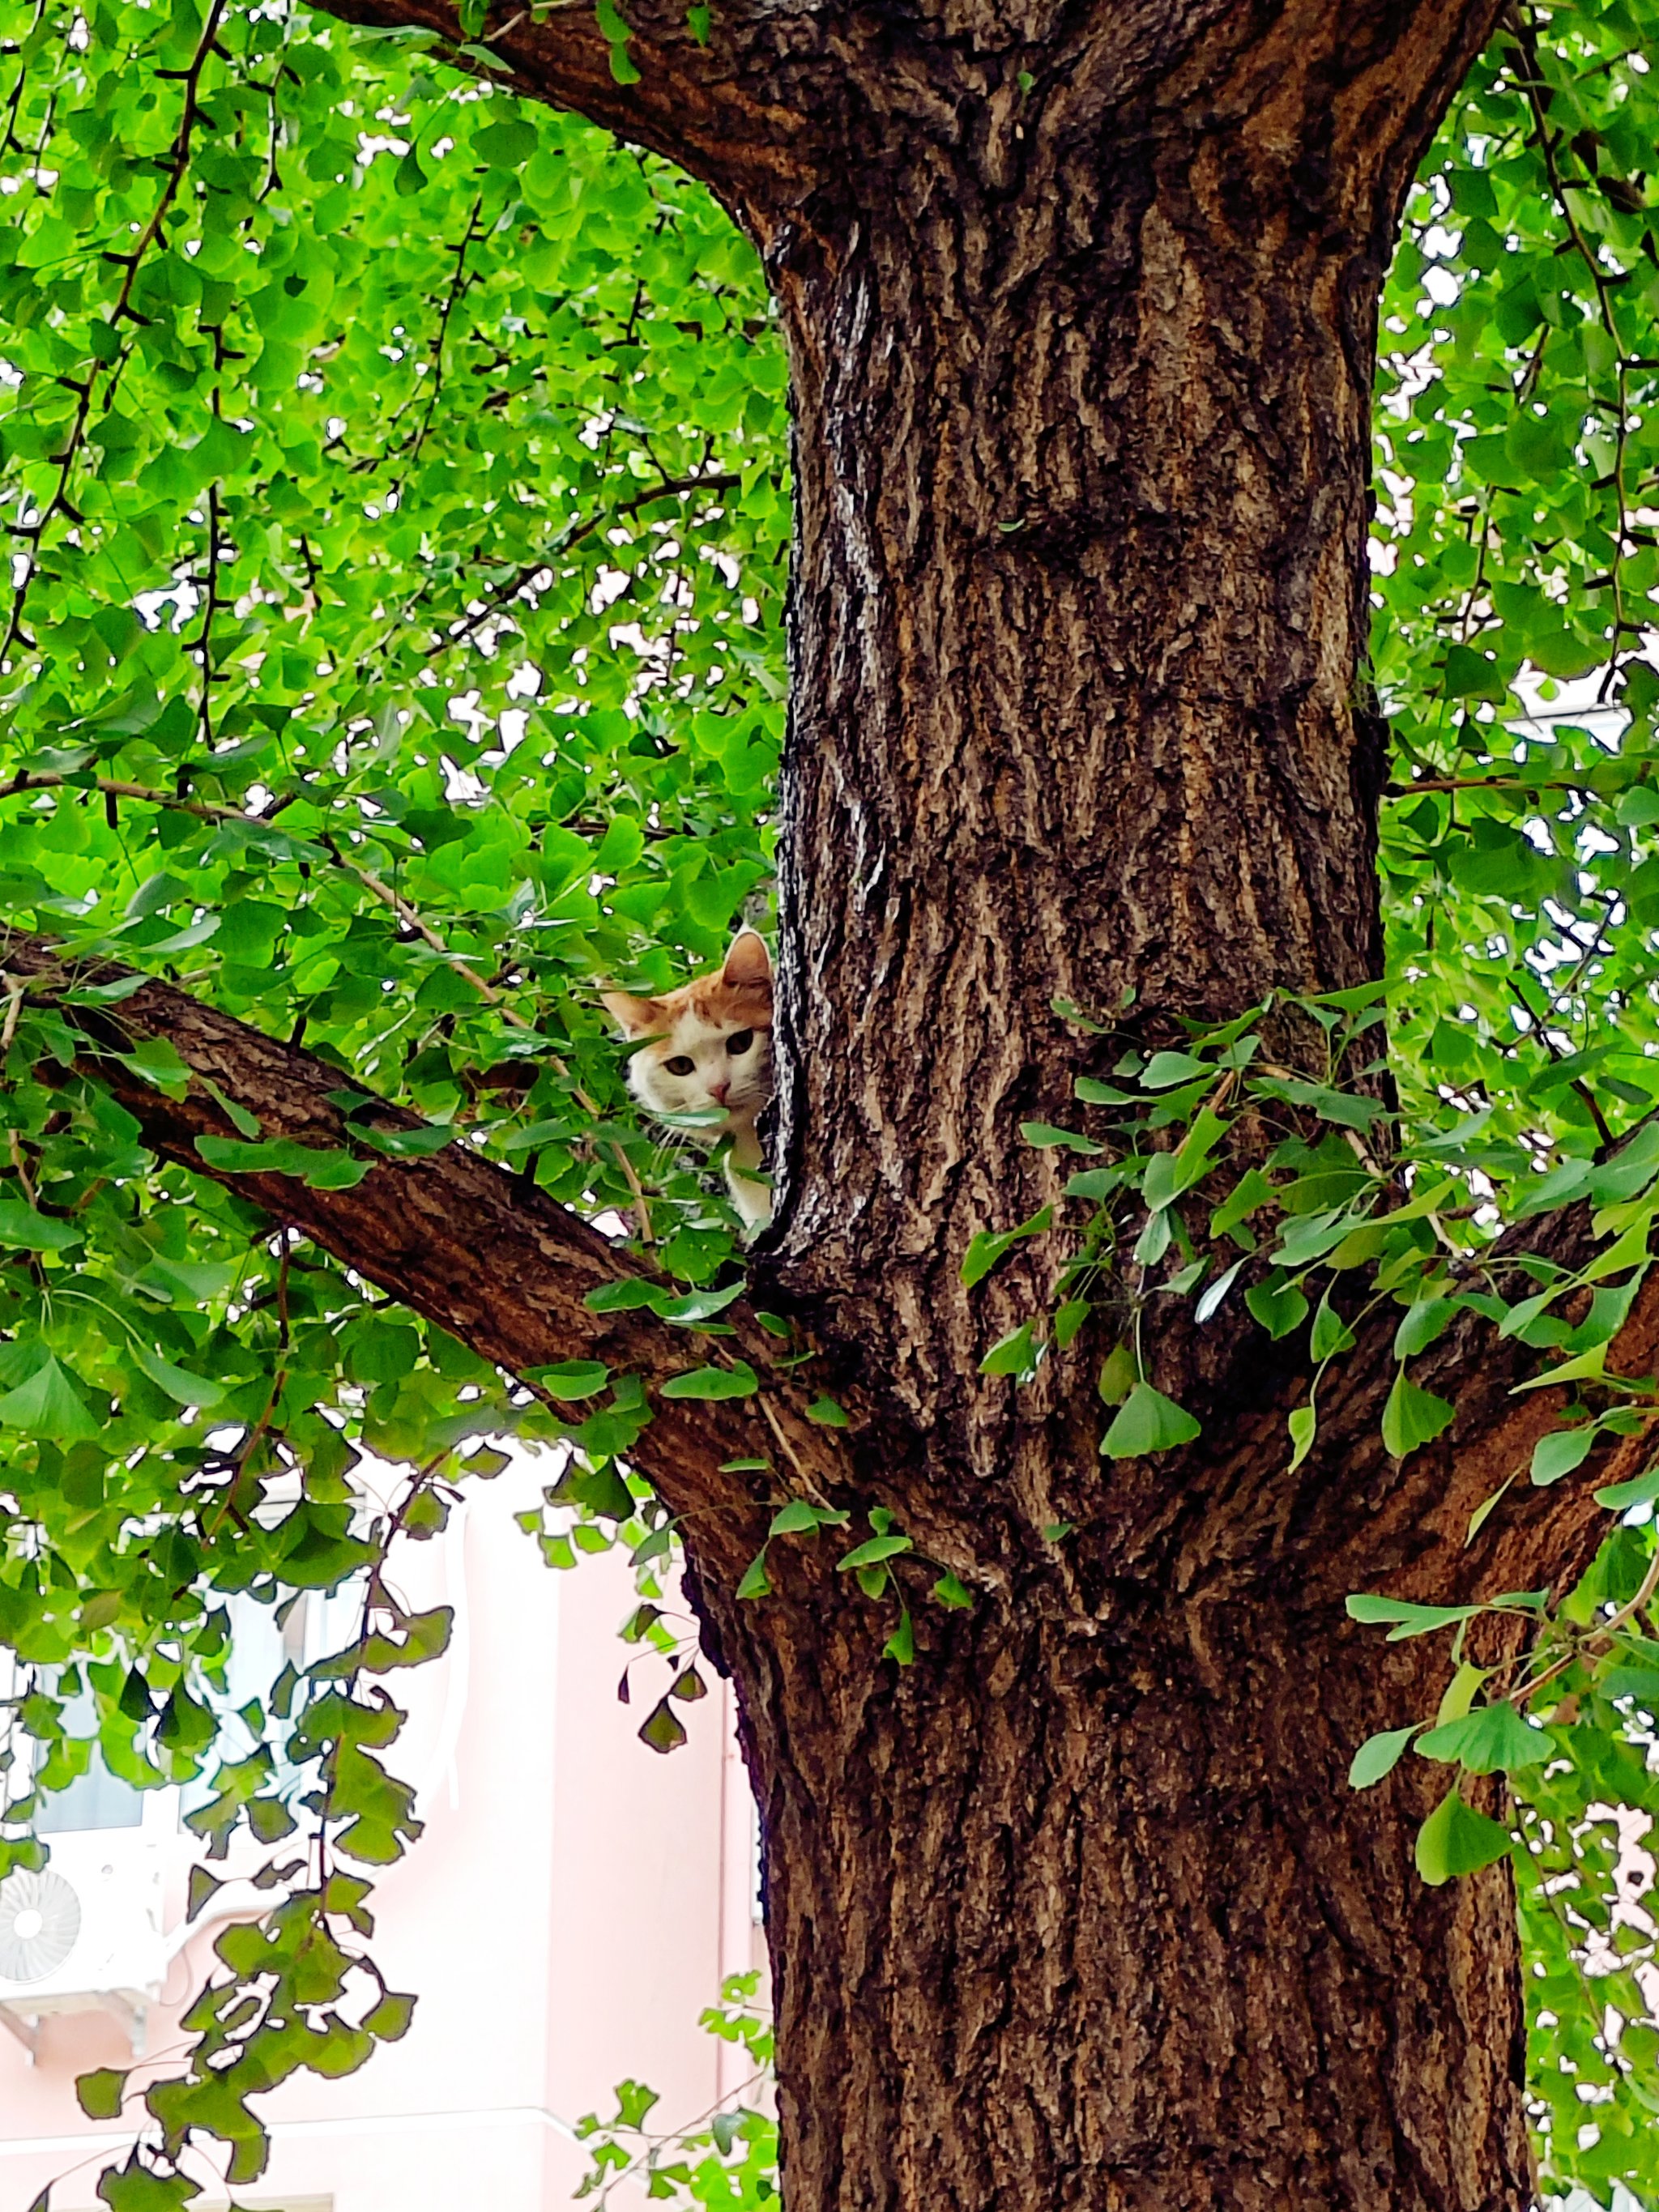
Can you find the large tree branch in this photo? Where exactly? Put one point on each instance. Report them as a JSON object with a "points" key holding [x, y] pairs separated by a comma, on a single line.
{"points": [[730, 111], [1355, 1519], [486, 1257]]}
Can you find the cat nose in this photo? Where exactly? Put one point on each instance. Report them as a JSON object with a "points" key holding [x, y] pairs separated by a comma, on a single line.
{"points": [[719, 1092]]}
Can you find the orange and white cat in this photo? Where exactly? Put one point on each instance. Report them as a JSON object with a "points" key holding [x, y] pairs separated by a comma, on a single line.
{"points": [[710, 1046]]}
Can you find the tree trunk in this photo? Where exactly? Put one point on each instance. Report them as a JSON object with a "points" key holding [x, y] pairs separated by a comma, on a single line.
{"points": [[1082, 390], [1080, 1910], [1062, 1920]]}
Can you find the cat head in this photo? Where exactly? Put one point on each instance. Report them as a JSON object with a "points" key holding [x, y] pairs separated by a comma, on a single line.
{"points": [[710, 1043]]}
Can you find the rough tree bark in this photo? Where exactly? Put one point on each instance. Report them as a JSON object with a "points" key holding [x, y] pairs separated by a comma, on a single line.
{"points": [[1076, 1909]]}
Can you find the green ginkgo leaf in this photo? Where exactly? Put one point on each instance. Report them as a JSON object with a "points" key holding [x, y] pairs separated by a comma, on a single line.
{"points": [[872, 1552], [1279, 1307], [737, 1381], [1330, 1334], [33, 1231], [48, 1404], [1491, 1739], [1455, 1841], [1378, 1756], [662, 1727], [1012, 1354], [1421, 1324], [986, 1247], [1405, 1617], [1413, 1417], [100, 2091], [177, 1382], [1560, 1452], [1146, 1422], [573, 1378]]}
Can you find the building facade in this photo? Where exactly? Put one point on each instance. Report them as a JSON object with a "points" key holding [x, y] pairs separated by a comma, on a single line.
{"points": [[575, 1901]]}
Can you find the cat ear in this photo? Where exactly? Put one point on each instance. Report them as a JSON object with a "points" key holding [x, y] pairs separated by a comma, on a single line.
{"points": [[635, 1017], [748, 961]]}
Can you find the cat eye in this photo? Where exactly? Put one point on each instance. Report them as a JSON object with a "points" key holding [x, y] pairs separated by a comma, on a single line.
{"points": [[681, 1064], [739, 1042]]}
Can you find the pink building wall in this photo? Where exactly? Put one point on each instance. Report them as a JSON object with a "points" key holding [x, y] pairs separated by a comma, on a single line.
{"points": [[573, 1906]]}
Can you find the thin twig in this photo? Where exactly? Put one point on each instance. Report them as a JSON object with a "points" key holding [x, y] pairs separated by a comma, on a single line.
{"points": [[1525, 1691], [1446, 783], [179, 163], [504, 595], [211, 811], [20, 1168], [1576, 1083], [457, 286], [509, 1013], [17, 993]]}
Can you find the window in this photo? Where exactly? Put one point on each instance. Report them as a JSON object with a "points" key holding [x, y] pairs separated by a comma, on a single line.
{"points": [[96, 1799]]}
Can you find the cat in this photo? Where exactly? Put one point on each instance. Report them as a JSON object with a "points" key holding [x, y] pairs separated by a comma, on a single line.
{"points": [[710, 1045]]}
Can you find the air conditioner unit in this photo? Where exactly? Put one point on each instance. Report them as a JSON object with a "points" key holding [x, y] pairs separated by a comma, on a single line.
{"points": [[84, 1933]]}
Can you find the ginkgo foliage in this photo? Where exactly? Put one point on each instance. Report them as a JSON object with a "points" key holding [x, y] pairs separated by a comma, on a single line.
{"points": [[395, 482]]}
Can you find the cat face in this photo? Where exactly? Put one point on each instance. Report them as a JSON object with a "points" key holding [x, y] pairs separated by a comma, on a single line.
{"points": [[710, 1042]]}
